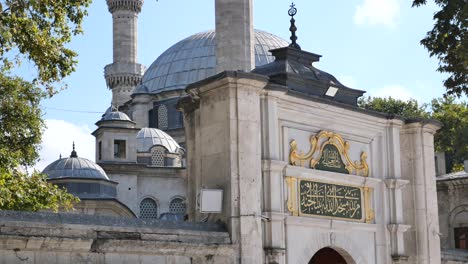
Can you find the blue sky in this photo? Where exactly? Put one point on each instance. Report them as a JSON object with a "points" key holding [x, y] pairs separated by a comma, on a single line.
{"points": [[370, 45]]}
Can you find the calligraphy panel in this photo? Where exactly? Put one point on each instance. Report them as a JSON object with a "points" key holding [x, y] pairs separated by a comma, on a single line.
{"points": [[330, 200], [330, 160]]}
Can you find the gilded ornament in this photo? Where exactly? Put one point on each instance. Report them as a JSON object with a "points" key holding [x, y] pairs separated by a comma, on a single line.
{"points": [[329, 200], [326, 156], [292, 185]]}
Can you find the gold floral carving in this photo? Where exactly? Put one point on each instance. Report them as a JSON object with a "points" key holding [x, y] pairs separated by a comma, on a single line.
{"points": [[298, 158], [292, 187], [370, 214]]}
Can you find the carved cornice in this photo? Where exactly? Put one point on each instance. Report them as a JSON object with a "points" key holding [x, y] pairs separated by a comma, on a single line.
{"points": [[188, 104], [115, 80], [129, 5], [123, 74]]}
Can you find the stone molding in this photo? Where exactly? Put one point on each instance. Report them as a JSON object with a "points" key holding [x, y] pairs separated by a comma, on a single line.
{"points": [[188, 104], [425, 125], [123, 74], [396, 183], [453, 183], [274, 216], [143, 170], [398, 228], [330, 224], [226, 79], [130, 5], [274, 165], [332, 177]]}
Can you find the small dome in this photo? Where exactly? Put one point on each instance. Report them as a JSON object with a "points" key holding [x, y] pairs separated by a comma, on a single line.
{"points": [[194, 59], [74, 167], [112, 114], [149, 137]]}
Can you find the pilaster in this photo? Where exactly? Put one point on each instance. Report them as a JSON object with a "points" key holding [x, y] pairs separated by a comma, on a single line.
{"points": [[417, 162], [397, 228], [225, 130], [141, 105], [274, 233]]}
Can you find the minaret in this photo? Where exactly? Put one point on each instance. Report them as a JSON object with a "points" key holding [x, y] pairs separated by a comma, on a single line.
{"points": [[234, 35], [124, 73]]}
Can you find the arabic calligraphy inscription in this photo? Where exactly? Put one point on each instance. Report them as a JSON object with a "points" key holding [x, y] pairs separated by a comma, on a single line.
{"points": [[323, 199], [330, 160]]}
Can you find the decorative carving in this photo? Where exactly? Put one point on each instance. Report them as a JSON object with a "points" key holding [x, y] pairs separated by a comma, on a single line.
{"points": [[370, 214], [131, 5], [122, 80], [123, 74], [292, 186], [327, 155]]}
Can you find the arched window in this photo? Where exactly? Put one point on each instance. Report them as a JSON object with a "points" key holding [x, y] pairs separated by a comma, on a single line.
{"points": [[157, 157], [177, 206], [162, 117], [148, 209]]}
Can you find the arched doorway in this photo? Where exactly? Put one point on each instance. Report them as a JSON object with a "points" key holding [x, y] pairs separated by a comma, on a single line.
{"points": [[327, 256]]}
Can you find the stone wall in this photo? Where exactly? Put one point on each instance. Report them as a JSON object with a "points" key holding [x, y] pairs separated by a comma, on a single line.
{"points": [[69, 238]]}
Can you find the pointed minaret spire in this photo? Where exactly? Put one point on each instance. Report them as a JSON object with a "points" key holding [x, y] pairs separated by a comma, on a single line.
{"points": [[73, 153], [292, 12]]}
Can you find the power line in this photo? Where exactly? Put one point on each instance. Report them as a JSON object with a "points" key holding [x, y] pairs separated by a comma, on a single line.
{"points": [[75, 111]]}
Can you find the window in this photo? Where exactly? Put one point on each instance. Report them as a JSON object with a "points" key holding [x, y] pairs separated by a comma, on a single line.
{"points": [[157, 157], [100, 150], [176, 119], [162, 117], [151, 118], [119, 149], [148, 209], [461, 236], [177, 206]]}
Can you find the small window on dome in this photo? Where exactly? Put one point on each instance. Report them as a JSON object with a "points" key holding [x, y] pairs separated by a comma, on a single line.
{"points": [[157, 157], [148, 209], [177, 206], [119, 149], [162, 117]]}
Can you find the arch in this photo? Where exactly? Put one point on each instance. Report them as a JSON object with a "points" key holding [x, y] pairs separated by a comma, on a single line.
{"points": [[177, 205], [148, 208], [331, 255], [158, 156], [163, 120], [452, 222]]}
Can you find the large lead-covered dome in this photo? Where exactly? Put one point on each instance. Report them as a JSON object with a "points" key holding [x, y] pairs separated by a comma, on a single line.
{"points": [[194, 59]]}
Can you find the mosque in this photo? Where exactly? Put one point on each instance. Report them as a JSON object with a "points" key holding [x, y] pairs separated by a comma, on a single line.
{"points": [[252, 154]]}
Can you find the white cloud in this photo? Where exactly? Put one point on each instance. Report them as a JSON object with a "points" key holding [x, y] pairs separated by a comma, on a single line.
{"points": [[58, 138], [394, 91], [377, 12]]}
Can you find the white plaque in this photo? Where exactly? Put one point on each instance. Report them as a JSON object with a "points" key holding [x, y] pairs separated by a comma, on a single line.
{"points": [[211, 201]]}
